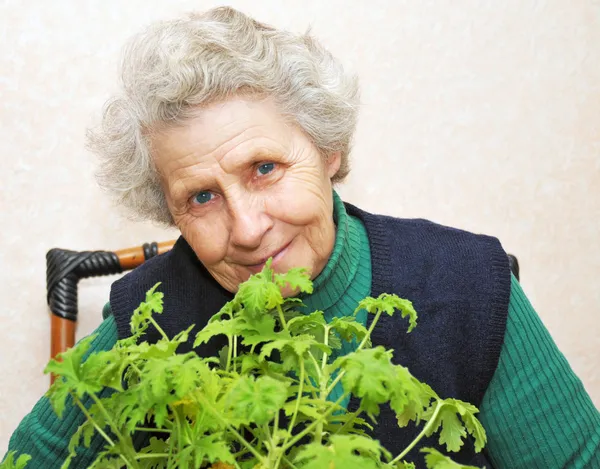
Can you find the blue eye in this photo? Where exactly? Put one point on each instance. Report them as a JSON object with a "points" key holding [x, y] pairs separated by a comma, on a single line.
{"points": [[266, 168], [203, 197]]}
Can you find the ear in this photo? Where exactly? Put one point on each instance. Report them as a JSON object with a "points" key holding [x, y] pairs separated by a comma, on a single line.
{"points": [[334, 161]]}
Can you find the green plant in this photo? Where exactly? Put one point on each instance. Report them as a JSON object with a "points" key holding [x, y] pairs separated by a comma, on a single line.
{"points": [[263, 402]]}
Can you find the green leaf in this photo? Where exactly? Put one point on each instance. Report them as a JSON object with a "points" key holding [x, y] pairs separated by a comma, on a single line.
{"points": [[212, 448], [436, 460], [58, 394], [313, 324], [309, 407], [259, 292], [228, 327], [10, 463], [410, 398], [473, 425], [75, 377], [155, 446], [256, 330], [452, 433], [297, 278], [292, 349], [369, 375], [348, 329], [249, 363], [345, 451], [140, 319], [256, 401], [453, 430], [386, 303], [361, 444]]}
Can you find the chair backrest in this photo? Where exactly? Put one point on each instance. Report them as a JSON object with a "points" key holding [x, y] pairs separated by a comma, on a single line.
{"points": [[64, 269]]}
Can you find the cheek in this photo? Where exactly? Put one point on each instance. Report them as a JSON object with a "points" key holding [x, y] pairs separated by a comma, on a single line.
{"points": [[301, 201], [208, 238]]}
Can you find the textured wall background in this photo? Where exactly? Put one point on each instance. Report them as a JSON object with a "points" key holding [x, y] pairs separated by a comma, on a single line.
{"points": [[479, 114]]}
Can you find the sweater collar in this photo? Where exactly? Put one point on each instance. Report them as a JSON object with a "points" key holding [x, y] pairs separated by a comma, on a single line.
{"points": [[341, 268]]}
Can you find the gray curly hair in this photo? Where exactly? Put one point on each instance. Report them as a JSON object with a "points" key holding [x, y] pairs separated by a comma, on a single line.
{"points": [[174, 67]]}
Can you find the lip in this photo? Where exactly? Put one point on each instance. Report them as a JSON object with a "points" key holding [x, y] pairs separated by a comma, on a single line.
{"points": [[277, 255]]}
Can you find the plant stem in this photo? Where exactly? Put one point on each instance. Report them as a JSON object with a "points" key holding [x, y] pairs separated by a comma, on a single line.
{"points": [[324, 379], [107, 416], [235, 342], [99, 430], [158, 328], [351, 419], [334, 382], [282, 318], [313, 425], [326, 342], [152, 455], [171, 445], [161, 430], [314, 360], [230, 428], [295, 414], [440, 404], [369, 332], [89, 417], [229, 351], [289, 463]]}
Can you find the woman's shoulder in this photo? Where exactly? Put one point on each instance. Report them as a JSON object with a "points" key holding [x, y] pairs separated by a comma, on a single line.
{"points": [[417, 227], [423, 241]]}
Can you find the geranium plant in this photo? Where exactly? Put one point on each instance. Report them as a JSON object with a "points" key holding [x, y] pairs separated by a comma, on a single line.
{"points": [[264, 401]]}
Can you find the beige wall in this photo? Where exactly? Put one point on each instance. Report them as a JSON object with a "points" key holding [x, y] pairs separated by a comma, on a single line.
{"points": [[479, 114]]}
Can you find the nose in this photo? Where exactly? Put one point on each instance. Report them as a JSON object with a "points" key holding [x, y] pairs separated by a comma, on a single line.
{"points": [[249, 221]]}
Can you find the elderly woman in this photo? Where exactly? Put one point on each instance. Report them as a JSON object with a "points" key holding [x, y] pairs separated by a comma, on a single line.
{"points": [[235, 133]]}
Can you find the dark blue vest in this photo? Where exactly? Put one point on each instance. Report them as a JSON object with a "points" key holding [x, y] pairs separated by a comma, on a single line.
{"points": [[458, 282]]}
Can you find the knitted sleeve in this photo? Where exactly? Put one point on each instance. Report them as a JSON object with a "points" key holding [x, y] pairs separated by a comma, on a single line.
{"points": [[45, 437], [536, 411]]}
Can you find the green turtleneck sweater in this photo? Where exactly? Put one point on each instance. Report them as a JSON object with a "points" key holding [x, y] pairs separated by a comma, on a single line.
{"points": [[536, 411]]}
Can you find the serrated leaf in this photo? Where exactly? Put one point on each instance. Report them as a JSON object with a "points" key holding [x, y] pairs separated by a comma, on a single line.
{"points": [[472, 424], [298, 345], [313, 324], [10, 463], [349, 329], [410, 398], [57, 395], [212, 448], [305, 407], [386, 303], [259, 292], [453, 431], [155, 446], [362, 445], [256, 400], [259, 329], [369, 375], [345, 451], [152, 304], [249, 363], [228, 327], [297, 278], [436, 460], [77, 378]]}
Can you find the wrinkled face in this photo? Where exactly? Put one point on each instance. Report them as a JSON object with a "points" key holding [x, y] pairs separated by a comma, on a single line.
{"points": [[243, 185]]}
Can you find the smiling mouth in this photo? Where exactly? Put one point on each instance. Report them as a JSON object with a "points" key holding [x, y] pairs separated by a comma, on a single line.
{"points": [[276, 257]]}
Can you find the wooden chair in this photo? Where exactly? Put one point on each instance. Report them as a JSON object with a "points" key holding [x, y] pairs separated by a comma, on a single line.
{"points": [[64, 269]]}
